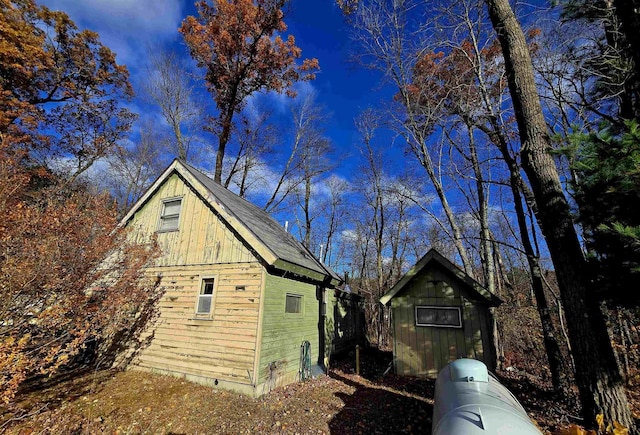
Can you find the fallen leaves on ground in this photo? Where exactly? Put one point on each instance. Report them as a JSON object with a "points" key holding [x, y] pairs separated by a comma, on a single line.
{"points": [[134, 402], [138, 402]]}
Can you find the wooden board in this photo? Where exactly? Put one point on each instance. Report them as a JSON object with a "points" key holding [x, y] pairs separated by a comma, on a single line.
{"points": [[221, 345]]}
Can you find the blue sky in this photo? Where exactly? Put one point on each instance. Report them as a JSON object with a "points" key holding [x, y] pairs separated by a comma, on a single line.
{"points": [[343, 87], [129, 27]]}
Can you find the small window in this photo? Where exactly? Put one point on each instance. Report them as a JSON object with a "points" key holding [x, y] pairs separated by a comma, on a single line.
{"points": [[293, 304], [205, 297], [446, 317], [170, 216]]}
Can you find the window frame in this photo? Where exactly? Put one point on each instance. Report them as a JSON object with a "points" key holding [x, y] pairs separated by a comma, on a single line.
{"points": [[164, 217], [203, 282], [300, 298], [439, 307]]}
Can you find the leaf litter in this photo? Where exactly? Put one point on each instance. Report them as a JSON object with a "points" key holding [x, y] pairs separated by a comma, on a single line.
{"points": [[343, 402]]}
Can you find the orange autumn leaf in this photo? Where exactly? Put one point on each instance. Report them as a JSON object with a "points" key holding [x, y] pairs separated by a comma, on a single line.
{"points": [[239, 46], [60, 93]]}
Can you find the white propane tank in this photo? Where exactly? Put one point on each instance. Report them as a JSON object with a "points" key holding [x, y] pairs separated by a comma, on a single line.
{"points": [[469, 401]]}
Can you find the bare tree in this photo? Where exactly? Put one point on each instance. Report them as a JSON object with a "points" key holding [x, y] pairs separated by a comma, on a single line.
{"points": [[481, 113], [306, 116], [255, 138], [334, 207], [391, 41], [382, 227], [315, 161], [169, 86], [131, 170], [459, 91]]}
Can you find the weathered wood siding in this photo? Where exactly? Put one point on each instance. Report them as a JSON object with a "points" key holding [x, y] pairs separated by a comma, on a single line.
{"points": [[283, 333], [219, 348], [425, 350], [202, 238]]}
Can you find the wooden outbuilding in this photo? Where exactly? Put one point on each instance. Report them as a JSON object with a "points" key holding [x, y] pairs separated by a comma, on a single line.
{"points": [[244, 304], [439, 314]]}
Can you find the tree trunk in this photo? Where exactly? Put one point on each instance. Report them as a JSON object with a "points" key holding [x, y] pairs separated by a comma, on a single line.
{"points": [[307, 213], [614, 32], [245, 176], [182, 149], [495, 132], [421, 151], [628, 15], [557, 365], [598, 377], [222, 145], [486, 243]]}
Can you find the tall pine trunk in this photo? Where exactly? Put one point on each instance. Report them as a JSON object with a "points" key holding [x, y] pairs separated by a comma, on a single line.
{"points": [[601, 387]]}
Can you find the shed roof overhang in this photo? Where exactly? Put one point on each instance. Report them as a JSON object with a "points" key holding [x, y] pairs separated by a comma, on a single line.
{"points": [[434, 256]]}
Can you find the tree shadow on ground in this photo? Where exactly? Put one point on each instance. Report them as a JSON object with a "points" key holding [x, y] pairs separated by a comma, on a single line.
{"points": [[375, 366], [373, 362], [550, 409], [380, 410], [382, 403], [44, 393]]}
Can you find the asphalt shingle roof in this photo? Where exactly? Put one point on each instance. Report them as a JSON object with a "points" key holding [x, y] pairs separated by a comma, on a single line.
{"points": [[262, 225]]}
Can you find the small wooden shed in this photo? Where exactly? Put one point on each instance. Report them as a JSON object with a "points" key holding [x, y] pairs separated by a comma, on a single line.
{"points": [[245, 302], [439, 314]]}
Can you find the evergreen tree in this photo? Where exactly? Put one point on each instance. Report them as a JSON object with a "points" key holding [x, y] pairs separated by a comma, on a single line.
{"points": [[607, 192]]}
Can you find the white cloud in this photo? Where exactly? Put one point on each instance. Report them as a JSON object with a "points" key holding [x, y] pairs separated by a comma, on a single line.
{"points": [[324, 188], [68, 165], [349, 235], [127, 27], [279, 102]]}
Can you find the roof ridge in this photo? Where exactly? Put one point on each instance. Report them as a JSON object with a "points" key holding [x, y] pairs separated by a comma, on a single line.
{"points": [[199, 171], [220, 190]]}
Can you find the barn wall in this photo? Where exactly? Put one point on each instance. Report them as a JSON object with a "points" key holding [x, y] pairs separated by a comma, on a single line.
{"points": [[202, 238], [425, 350], [248, 343], [219, 349], [283, 333], [220, 346]]}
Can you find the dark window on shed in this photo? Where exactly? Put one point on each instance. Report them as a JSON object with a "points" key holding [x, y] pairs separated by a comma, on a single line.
{"points": [[293, 304], [447, 317]]}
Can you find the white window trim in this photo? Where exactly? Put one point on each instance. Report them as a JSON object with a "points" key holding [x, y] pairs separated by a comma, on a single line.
{"points": [[213, 295], [162, 216], [301, 313], [439, 307]]}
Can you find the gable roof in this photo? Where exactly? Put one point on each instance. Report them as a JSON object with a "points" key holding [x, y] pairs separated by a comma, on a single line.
{"points": [[434, 257], [275, 246]]}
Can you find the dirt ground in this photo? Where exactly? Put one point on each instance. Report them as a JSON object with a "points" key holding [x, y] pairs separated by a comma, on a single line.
{"points": [[341, 403]]}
